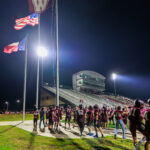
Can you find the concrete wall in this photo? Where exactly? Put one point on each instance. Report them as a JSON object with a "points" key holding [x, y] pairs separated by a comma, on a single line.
{"points": [[47, 99]]}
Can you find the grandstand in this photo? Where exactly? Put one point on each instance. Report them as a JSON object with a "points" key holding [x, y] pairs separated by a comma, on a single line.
{"points": [[75, 97], [88, 88]]}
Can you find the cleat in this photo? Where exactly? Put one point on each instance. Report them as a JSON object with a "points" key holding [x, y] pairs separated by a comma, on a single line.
{"points": [[88, 134], [96, 136]]}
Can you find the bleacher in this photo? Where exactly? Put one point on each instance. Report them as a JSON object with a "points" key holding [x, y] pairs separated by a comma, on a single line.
{"points": [[89, 99]]}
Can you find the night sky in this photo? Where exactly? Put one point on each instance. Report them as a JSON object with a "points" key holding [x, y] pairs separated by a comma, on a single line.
{"points": [[100, 35]]}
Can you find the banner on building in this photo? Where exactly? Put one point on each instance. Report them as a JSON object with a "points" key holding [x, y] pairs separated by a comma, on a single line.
{"points": [[39, 6]]}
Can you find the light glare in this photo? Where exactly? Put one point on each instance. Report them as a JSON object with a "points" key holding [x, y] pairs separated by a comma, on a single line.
{"points": [[42, 52], [114, 76]]}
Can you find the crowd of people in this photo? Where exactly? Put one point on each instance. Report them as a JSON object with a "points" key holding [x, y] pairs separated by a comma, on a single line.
{"points": [[137, 116]]}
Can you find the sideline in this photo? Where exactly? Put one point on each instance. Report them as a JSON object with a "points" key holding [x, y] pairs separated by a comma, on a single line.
{"points": [[65, 133]]}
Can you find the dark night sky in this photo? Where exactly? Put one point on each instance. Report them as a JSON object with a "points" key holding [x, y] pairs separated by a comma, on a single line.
{"points": [[101, 35]]}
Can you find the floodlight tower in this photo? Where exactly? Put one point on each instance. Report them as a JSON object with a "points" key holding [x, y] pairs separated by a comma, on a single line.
{"points": [[7, 105], [18, 104], [114, 77], [42, 52]]}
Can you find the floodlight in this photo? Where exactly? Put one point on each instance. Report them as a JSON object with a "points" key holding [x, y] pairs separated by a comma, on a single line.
{"points": [[18, 101], [42, 52], [114, 76]]}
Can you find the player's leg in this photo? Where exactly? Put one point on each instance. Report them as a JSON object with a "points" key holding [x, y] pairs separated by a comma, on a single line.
{"points": [[89, 128], [40, 123], [132, 128], [69, 119], [113, 119], [43, 122], [55, 127], [34, 123], [100, 129], [116, 129], [65, 121], [74, 122], [82, 127], [109, 121], [123, 129], [96, 132]]}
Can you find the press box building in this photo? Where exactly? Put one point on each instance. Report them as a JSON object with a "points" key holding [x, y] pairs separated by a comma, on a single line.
{"points": [[88, 81]]}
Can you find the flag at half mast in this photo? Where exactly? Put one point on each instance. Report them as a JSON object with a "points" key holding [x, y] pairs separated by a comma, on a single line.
{"points": [[29, 20]]}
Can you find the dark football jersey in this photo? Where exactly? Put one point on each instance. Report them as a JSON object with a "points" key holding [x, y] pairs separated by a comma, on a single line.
{"points": [[89, 115], [47, 113], [80, 115], [68, 111], [36, 115]]}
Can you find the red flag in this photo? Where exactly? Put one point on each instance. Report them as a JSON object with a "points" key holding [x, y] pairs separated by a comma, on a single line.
{"points": [[38, 6], [15, 47], [11, 48]]}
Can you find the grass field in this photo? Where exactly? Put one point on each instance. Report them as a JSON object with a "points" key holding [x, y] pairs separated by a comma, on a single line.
{"points": [[15, 117], [13, 138]]}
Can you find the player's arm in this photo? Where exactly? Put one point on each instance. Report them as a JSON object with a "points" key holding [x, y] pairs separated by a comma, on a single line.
{"points": [[112, 114]]}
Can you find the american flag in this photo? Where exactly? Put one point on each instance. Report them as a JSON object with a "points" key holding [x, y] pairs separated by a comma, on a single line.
{"points": [[29, 20]]}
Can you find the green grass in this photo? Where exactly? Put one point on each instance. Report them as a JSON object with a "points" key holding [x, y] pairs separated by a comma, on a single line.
{"points": [[15, 117], [13, 138]]}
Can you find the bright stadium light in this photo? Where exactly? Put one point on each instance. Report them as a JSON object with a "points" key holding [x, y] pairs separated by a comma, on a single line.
{"points": [[42, 52], [114, 76], [18, 101], [7, 105]]}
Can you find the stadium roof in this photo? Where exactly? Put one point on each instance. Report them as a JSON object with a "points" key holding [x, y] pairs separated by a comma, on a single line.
{"points": [[93, 73]]}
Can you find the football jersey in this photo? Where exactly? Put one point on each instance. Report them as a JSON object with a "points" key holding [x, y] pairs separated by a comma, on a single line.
{"points": [[118, 114], [47, 113], [36, 115], [68, 111], [81, 115]]}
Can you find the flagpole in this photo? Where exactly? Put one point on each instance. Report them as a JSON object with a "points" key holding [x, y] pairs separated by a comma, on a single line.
{"points": [[42, 73], [25, 79], [38, 67], [57, 56]]}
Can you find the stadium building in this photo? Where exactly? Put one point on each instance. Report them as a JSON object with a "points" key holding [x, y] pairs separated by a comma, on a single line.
{"points": [[88, 86], [88, 81]]}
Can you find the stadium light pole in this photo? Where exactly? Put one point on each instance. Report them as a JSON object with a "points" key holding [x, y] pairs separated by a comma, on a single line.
{"points": [[114, 77], [57, 55], [7, 105], [18, 102], [41, 52]]}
